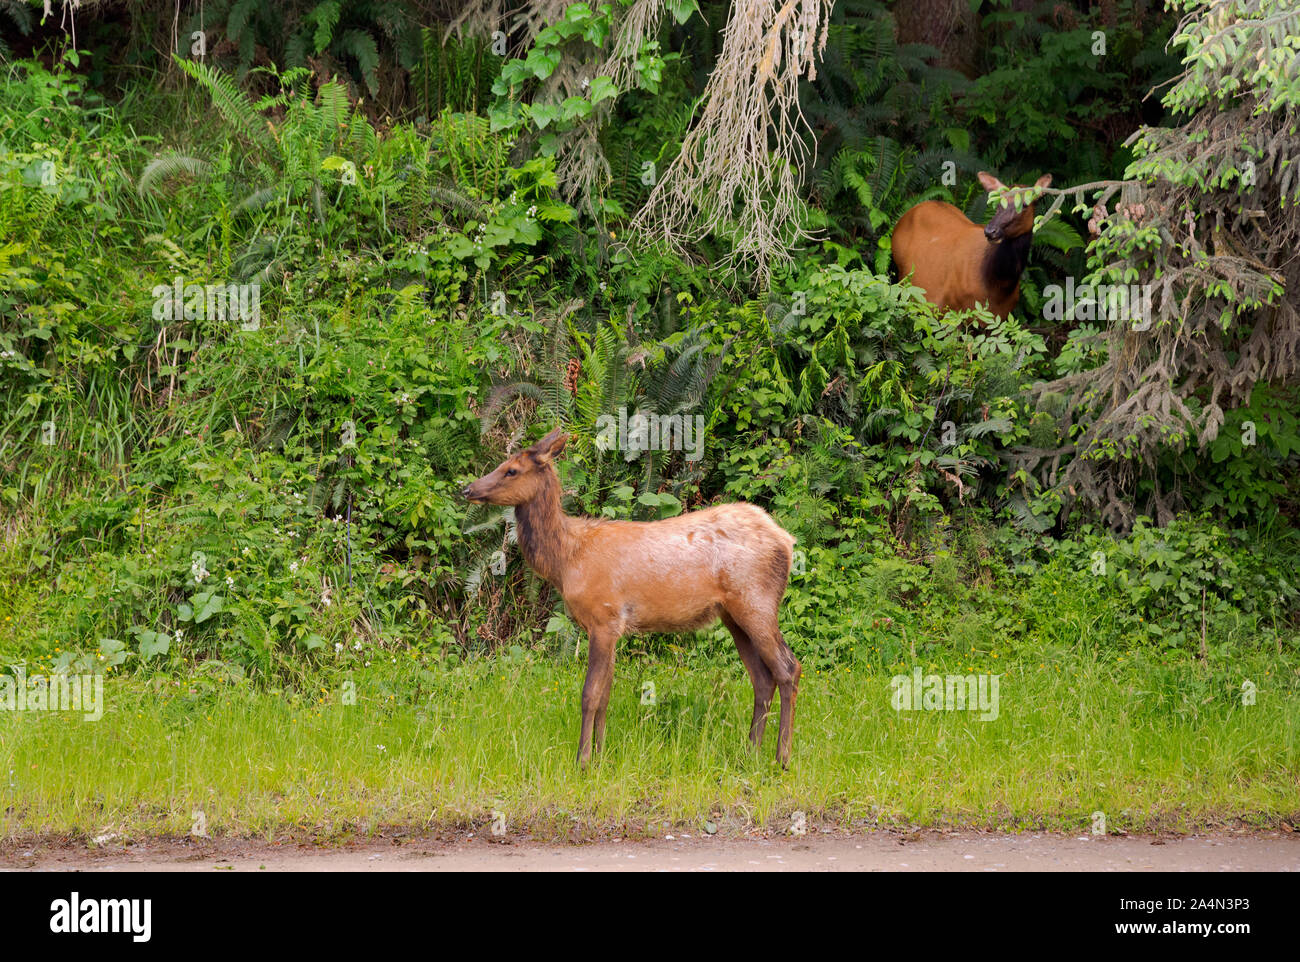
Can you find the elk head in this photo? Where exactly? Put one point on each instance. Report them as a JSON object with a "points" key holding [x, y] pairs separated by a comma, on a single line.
{"points": [[1007, 222], [519, 478]]}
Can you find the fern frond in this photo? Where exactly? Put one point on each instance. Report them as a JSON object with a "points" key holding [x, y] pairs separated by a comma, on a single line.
{"points": [[324, 17], [169, 166], [231, 102], [361, 47], [335, 108], [1058, 234], [256, 200]]}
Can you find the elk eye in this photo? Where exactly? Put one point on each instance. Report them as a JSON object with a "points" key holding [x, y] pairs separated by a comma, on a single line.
{"points": [[511, 473]]}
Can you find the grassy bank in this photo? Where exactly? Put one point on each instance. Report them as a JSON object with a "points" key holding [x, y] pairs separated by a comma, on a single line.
{"points": [[433, 749]]}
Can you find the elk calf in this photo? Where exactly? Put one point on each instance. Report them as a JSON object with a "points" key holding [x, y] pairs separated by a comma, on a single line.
{"points": [[632, 577], [960, 264]]}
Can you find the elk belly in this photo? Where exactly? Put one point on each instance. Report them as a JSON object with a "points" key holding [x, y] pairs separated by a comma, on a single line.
{"points": [[669, 591], [637, 584]]}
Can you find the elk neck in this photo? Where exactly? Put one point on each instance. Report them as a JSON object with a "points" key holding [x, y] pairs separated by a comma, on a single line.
{"points": [[1005, 262], [545, 538]]}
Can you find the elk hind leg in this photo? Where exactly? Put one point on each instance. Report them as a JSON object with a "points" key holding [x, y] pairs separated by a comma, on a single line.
{"points": [[759, 677], [784, 668]]}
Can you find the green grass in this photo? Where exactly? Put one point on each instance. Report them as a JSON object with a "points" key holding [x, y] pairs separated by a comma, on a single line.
{"points": [[459, 743]]}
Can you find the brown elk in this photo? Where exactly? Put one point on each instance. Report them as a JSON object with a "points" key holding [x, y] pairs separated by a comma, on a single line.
{"points": [[679, 574], [960, 264]]}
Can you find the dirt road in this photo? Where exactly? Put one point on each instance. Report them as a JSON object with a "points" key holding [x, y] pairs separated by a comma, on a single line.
{"points": [[965, 852]]}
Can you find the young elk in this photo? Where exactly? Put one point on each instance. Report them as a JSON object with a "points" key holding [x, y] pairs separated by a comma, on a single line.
{"points": [[959, 263], [631, 577]]}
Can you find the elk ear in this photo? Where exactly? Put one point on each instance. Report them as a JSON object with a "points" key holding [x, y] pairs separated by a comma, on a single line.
{"points": [[550, 446], [990, 182], [1044, 181]]}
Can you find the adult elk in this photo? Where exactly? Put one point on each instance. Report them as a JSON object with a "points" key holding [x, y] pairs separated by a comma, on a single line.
{"points": [[960, 264], [618, 578]]}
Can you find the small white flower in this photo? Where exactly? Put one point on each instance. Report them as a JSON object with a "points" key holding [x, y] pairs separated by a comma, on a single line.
{"points": [[338, 646], [381, 748], [293, 566]]}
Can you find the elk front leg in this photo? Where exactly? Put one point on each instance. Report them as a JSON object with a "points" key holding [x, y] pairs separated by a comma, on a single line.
{"points": [[595, 691], [787, 678], [602, 702]]}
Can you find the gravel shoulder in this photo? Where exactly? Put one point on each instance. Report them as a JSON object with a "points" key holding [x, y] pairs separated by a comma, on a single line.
{"points": [[873, 852]]}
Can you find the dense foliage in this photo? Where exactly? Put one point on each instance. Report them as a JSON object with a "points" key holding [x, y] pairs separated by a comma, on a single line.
{"points": [[436, 283]]}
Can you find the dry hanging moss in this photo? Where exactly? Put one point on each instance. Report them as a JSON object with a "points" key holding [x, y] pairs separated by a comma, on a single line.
{"points": [[738, 172]]}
